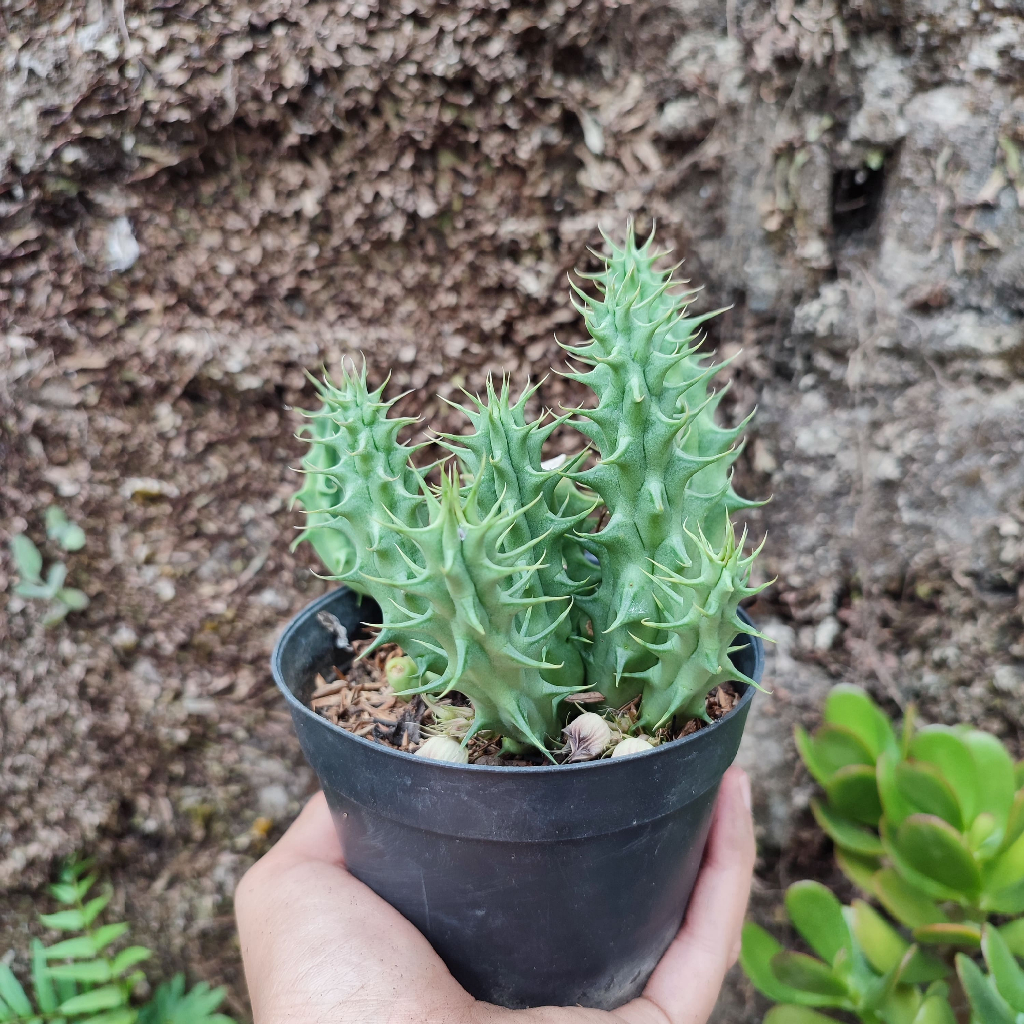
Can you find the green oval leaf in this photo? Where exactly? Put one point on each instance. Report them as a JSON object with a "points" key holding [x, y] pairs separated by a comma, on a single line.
{"points": [[988, 1006], [756, 952], [948, 751], [924, 789], [72, 538], [95, 907], [886, 950], [810, 975], [994, 768], [108, 933], [938, 861], [27, 558], [818, 917], [128, 958], [894, 804], [904, 901], [55, 576], [1013, 936], [55, 520], [12, 993], [851, 707], [984, 836], [64, 893], [935, 1010], [68, 535], [75, 599], [109, 997], [853, 792], [859, 870], [1007, 869], [93, 972], [82, 946], [883, 946], [1006, 972], [949, 933], [64, 920], [805, 748], [835, 747], [845, 833], [46, 998]]}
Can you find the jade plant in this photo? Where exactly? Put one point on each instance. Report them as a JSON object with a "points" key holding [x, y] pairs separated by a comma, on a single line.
{"points": [[861, 965], [928, 822], [517, 579]]}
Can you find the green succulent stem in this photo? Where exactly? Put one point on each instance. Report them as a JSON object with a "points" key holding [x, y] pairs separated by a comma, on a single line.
{"points": [[663, 461]]}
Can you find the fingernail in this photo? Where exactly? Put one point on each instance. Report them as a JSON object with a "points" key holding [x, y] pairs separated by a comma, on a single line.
{"points": [[736, 950], [745, 789]]}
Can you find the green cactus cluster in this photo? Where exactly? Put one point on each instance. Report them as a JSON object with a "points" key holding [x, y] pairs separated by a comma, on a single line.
{"points": [[928, 823], [519, 580]]}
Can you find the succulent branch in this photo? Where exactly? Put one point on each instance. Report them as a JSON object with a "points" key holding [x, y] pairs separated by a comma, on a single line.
{"points": [[520, 580], [663, 467], [698, 621]]}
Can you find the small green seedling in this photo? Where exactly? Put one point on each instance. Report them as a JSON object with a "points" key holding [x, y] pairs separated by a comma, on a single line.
{"points": [[29, 562], [70, 536], [81, 979]]}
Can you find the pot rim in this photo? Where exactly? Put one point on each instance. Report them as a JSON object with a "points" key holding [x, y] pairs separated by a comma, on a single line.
{"points": [[676, 745]]}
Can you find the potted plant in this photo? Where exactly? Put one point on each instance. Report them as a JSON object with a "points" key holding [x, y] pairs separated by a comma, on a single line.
{"points": [[578, 610]]}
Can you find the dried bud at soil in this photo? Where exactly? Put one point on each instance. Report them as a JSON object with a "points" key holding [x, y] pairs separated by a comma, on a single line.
{"points": [[440, 748], [401, 673], [632, 745], [587, 737]]}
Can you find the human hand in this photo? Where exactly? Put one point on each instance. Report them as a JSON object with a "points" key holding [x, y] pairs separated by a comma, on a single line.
{"points": [[320, 947]]}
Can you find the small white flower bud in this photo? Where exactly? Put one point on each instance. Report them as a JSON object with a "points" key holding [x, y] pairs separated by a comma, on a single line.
{"points": [[441, 748], [631, 745]]}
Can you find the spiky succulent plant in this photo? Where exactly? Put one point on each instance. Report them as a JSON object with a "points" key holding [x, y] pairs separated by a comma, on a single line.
{"points": [[519, 581]]}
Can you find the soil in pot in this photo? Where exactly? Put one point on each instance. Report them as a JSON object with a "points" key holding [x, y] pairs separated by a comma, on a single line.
{"points": [[360, 700]]}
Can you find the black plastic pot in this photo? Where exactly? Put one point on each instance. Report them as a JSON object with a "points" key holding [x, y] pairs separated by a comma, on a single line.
{"points": [[557, 885]]}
